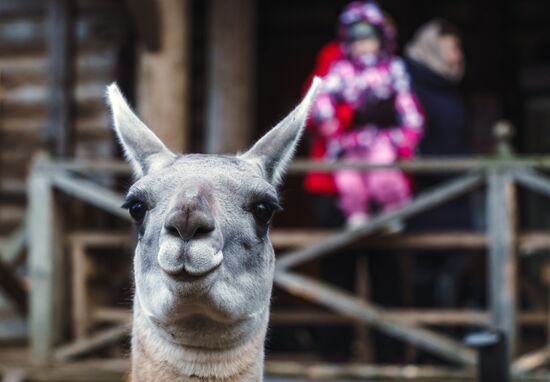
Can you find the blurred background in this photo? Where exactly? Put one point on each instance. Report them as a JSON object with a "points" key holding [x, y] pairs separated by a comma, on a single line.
{"points": [[213, 76]]}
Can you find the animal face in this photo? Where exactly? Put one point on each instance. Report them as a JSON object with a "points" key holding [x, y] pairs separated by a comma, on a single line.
{"points": [[203, 257]]}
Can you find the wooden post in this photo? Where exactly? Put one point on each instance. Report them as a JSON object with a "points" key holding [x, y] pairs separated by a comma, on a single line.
{"points": [[362, 348], [45, 258], [163, 94], [230, 112], [60, 128], [81, 314], [502, 262]]}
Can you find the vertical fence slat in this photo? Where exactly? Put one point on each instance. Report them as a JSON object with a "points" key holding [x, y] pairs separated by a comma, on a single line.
{"points": [[60, 133], [502, 261], [44, 263]]}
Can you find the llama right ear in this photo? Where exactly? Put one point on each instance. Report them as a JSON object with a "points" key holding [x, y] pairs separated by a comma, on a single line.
{"points": [[274, 151], [142, 148]]}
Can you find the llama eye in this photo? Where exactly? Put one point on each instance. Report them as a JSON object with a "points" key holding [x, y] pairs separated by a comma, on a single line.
{"points": [[263, 212], [137, 211]]}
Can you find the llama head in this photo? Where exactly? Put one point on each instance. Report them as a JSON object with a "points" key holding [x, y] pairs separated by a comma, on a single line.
{"points": [[204, 264]]}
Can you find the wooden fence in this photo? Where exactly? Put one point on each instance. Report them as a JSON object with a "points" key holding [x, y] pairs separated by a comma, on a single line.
{"points": [[498, 175]]}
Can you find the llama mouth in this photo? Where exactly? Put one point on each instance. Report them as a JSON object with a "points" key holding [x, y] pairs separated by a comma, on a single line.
{"points": [[185, 276], [191, 259]]}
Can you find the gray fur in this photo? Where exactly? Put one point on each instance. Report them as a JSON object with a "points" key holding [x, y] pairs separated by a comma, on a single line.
{"points": [[211, 291]]}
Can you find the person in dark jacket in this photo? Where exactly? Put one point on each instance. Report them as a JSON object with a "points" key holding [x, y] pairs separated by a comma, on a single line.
{"points": [[436, 65]]}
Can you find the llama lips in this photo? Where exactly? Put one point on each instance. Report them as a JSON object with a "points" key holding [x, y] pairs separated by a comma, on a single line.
{"points": [[194, 258]]}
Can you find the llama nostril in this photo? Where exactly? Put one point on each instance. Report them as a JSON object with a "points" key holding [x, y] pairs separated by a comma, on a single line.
{"points": [[189, 226], [172, 230]]}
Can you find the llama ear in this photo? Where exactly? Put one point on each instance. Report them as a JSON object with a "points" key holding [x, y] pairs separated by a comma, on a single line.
{"points": [[142, 148], [275, 149]]}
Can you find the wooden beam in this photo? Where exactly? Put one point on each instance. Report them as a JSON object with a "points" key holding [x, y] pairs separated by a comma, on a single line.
{"points": [[532, 180], [328, 371], [442, 165], [422, 203], [230, 104], [79, 292], [91, 192], [103, 314], [438, 317], [12, 247], [532, 360], [91, 370], [417, 166], [60, 128], [425, 317], [502, 267], [530, 243], [302, 238], [164, 73], [362, 345], [102, 239], [351, 306], [92, 343], [45, 256]]}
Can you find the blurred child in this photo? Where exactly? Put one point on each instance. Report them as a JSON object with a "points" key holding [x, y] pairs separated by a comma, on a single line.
{"points": [[386, 120]]}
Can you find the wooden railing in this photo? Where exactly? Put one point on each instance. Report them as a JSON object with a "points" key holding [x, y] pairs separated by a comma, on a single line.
{"points": [[499, 175]]}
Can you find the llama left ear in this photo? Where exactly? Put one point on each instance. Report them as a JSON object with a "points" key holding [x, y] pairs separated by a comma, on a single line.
{"points": [[143, 149], [275, 149]]}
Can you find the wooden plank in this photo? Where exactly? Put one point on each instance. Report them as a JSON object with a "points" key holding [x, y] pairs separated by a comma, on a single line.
{"points": [[362, 344], [92, 343], [300, 238], [530, 243], [532, 180], [60, 131], [231, 75], [103, 314], [350, 306], [91, 370], [14, 245], [422, 203], [532, 360], [44, 258], [92, 193], [442, 165], [100, 239], [79, 292], [441, 317], [164, 74], [328, 371], [502, 267], [439, 165]]}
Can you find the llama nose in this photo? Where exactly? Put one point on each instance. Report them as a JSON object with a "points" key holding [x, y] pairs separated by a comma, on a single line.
{"points": [[188, 222]]}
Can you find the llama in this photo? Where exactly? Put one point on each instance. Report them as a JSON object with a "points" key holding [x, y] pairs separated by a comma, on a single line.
{"points": [[203, 263]]}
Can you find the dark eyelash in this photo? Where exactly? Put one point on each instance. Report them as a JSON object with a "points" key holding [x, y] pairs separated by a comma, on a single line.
{"points": [[275, 205], [130, 199]]}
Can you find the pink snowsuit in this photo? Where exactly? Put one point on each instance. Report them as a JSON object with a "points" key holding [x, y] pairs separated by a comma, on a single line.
{"points": [[388, 125]]}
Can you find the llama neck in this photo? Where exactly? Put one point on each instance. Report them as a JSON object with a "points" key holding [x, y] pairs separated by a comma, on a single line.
{"points": [[154, 358]]}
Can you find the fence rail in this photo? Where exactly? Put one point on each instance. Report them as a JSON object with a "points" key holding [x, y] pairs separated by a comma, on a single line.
{"points": [[502, 240]]}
